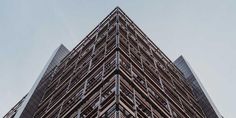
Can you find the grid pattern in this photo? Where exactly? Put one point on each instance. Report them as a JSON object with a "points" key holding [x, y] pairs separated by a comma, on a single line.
{"points": [[117, 72]]}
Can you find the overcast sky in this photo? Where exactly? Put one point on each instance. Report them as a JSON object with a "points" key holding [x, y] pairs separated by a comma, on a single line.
{"points": [[203, 31]]}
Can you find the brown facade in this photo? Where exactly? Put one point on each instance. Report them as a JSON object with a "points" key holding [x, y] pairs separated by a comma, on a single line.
{"points": [[117, 72]]}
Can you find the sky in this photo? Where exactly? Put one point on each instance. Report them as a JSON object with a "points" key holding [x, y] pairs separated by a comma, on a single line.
{"points": [[203, 31]]}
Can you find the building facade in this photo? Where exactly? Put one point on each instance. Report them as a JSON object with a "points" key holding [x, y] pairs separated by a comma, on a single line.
{"points": [[28, 105], [199, 91], [116, 72]]}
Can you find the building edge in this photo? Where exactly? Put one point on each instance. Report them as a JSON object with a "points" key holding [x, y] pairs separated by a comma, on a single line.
{"points": [[19, 110], [178, 64]]}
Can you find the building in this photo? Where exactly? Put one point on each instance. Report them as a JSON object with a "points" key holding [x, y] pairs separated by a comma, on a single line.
{"points": [[199, 91], [15, 109], [116, 72], [26, 107]]}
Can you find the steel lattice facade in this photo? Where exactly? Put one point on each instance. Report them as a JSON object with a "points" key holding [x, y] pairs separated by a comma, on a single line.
{"points": [[117, 72]]}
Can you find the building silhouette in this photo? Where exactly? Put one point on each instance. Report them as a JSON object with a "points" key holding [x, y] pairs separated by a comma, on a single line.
{"points": [[115, 72], [28, 105], [199, 91]]}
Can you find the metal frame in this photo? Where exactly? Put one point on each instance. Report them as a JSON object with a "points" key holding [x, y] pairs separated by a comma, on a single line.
{"points": [[117, 72]]}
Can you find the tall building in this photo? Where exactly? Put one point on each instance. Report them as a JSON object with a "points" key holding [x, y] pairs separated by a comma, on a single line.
{"points": [[199, 91], [116, 72], [28, 105]]}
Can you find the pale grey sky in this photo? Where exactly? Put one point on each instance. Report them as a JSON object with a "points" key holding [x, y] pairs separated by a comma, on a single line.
{"points": [[204, 31]]}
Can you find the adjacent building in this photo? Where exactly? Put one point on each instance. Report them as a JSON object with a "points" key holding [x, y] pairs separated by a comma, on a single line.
{"points": [[199, 91], [28, 105], [116, 71]]}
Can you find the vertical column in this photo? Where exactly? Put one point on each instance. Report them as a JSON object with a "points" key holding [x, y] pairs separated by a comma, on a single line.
{"points": [[100, 91], [117, 92]]}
